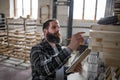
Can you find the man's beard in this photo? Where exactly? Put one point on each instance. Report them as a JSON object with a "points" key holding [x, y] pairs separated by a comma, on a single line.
{"points": [[53, 37]]}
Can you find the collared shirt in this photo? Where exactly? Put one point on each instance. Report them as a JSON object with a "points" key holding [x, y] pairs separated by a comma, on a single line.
{"points": [[45, 62]]}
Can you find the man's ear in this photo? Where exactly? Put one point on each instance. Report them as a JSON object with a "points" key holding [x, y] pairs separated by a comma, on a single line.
{"points": [[45, 31]]}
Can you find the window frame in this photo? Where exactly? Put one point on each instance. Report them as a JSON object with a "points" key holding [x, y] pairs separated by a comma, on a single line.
{"points": [[83, 13], [15, 8]]}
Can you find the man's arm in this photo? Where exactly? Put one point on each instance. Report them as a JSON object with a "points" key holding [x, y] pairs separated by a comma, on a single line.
{"points": [[48, 66]]}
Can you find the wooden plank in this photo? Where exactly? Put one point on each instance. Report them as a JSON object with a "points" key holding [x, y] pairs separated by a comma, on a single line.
{"points": [[111, 58], [96, 48], [115, 56], [3, 34], [104, 49], [18, 50], [80, 59], [3, 46], [106, 27], [12, 42], [107, 71], [95, 42], [114, 45], [30, 45], [105, 35], [112, 62], [38, 38], [94, 39], [27, 49], [94, 45], [117, 73], [109, 77], [98, 42], [111, 50], [30, 34], [112, 54], [19, 36], [3, 50], [16, 32], [32, 40], [14, 39]]}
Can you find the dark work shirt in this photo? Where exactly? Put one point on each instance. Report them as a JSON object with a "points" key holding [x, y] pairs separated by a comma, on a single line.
{"points": [[45, 62]]}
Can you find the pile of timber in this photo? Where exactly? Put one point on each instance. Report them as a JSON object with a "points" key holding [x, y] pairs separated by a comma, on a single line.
{"points": [[21, 36], [106, 39]]}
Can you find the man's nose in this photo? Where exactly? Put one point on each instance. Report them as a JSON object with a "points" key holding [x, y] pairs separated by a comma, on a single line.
{"points": [[57, 29]]}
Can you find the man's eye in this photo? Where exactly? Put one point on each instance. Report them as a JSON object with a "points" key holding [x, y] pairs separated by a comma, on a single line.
{"points": [[54, 27]]}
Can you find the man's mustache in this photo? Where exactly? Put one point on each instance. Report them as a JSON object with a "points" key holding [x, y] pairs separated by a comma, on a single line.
{"points": [[57, 34]]}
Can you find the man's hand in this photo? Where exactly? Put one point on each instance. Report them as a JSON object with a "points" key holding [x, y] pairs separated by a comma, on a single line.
{"points": [[76, 39], [78, 68]]}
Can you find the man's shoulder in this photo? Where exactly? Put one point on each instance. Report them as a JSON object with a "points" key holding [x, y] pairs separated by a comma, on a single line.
{"points": [[39, 44]]}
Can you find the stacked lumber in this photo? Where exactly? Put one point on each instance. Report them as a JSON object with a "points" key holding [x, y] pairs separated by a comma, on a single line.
{"points": [[16, 38], [3, 39], [30, 36], [106, 39], [22, 36]]}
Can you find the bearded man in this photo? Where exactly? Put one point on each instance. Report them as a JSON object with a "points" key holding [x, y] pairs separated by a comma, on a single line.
{"points": [[47, 57]]}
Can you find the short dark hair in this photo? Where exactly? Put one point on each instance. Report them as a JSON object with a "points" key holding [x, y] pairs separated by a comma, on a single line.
{"points": [[46, 23]]}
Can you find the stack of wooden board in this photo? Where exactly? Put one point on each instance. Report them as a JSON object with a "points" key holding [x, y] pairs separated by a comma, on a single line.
{"points": [[21, 37], [106, 39], [16, 37], [30, 36], [3, 38], [17, 40]]}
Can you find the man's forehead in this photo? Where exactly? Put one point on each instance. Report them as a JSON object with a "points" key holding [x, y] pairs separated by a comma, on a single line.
{"points": [[54, 22]]}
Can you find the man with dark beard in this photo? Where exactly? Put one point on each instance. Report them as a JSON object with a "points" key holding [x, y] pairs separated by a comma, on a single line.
{"points": [[47, 57]]}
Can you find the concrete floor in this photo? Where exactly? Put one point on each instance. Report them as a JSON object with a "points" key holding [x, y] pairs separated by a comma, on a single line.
{"points": [[11, 73], [8, 71]]}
